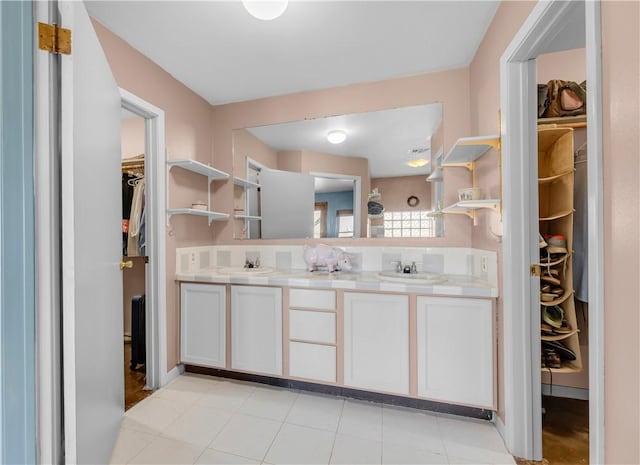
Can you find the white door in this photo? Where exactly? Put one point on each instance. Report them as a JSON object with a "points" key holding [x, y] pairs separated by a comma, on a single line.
{"points": [[91, 248], [455, 351], [203, 324], [376, 341], [286, 216], [256, 329]]}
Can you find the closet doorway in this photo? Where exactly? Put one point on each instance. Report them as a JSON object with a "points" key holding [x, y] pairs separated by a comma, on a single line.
{"points": [[134, 257], [554, 26], [143, 247]]}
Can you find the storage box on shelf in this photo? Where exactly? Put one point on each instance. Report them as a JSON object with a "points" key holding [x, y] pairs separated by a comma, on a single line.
{"points": [[555, 188], [464, 153], [212, 174]]}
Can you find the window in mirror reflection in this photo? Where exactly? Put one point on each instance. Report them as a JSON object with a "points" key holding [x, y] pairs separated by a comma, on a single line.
{"points": [[320, 219], [345, 223]]}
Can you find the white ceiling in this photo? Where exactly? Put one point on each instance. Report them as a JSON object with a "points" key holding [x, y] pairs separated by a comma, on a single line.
{"points": [[383, 137], [222, 53]]}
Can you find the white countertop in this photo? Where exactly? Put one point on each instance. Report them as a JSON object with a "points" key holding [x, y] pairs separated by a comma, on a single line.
{"points": [[454, 285]]}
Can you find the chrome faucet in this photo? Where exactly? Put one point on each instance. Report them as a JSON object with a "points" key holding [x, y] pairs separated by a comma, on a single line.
{"points": [[249, 264]]}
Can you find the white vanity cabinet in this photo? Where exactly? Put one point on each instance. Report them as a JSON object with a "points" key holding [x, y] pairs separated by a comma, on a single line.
{"points": [[455, 350], [203, 322], [256, 329], [312, 334], [376, 342]]}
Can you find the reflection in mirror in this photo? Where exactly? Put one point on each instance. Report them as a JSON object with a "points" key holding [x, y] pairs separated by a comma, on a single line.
{"points": [[363, 174]]}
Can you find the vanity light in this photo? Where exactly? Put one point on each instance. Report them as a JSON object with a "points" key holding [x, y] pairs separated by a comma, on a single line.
{"points": [[337, 136], [265, 9]]}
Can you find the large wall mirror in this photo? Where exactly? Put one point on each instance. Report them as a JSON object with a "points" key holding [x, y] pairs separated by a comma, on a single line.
{"points": [[356, 175]]}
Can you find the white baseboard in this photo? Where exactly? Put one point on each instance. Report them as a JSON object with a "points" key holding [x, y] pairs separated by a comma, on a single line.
{"points": [[173, 374], [565, 391], [500, 427]]}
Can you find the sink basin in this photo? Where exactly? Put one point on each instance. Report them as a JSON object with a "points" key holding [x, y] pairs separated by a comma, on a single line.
{"points": [[411, 278], [241, 271]]}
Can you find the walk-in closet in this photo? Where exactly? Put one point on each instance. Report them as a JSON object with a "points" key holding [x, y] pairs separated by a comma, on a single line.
{"points": [[134, 256]]}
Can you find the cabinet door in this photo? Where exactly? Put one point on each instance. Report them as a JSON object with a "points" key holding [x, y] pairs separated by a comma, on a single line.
{"points": [[203, 319], [455, 350], [256, 329], [376, 342]]}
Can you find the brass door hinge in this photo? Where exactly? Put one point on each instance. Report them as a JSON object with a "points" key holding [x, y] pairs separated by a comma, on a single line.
{"points": [[536, 270], [54, 39]]}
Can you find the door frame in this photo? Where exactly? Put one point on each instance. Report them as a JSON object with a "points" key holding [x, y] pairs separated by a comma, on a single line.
{"points": [[17, 235], [518, 100], [357, 196], [155, 181]]}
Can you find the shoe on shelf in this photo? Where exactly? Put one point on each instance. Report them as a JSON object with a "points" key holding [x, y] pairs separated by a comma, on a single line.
{"points": [[541, 242], [545, 328], [552, 359], [556, 244], [550, 279], [553, 315]]}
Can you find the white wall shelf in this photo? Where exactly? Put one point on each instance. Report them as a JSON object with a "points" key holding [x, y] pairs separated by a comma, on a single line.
{"points": [[248, 217], [469, 207], [464, 153], [212, 174], [213, 216], [467, 150], [197, 167], [245, 183]]}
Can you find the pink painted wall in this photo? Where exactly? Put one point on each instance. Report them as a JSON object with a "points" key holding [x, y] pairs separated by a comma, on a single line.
{"points": [[569, 65], [188, 120], [132, 137], [246, 145], [449, 87], [621, 142], [484, 105], [396, 191]]}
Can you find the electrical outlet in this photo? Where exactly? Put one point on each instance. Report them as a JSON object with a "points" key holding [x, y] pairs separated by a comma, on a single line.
{"points": [[484, 264], [192, 259]]}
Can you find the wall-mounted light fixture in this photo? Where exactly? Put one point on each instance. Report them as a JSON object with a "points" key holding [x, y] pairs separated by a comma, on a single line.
{"points": [[265, 10]]}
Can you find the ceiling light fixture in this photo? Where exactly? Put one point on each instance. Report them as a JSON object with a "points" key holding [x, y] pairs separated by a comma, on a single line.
{"points": [[415, 158], [337, 136], [265, 9], [417, 163]]}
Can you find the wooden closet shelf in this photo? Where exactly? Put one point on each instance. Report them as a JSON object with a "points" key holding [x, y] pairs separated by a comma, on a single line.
{"points": [[558, 337], [555, 177], [567, 293], [557, 216]]}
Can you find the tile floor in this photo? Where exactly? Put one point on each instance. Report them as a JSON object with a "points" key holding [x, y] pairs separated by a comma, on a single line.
{"points": [[205, 420]]}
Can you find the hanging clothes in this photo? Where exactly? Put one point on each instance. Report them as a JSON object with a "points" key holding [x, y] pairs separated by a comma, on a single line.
{"points": [[127, 197], [135, 219], [580, 227]]}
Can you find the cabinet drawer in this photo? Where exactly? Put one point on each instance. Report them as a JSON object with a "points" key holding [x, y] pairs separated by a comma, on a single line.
{"points": [[312, 298], [312, 326], [312, 361]]}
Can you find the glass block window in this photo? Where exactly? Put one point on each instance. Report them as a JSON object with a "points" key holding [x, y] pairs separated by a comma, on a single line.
{"points": [[414, 223]]}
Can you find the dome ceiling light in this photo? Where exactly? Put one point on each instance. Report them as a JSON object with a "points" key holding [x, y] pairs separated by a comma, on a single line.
{"points": [[265, 10], [416, 160], [337, 136]]}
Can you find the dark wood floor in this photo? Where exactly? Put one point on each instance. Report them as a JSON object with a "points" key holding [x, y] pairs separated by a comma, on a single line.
{"points": [[565, 432], [133, 382]]}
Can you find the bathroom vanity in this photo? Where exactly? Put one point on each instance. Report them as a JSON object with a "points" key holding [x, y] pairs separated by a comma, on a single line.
{"points": [[354, 330]]}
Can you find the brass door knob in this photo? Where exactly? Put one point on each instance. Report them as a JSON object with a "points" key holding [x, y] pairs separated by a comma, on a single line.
{"points": [[127, 264]]}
